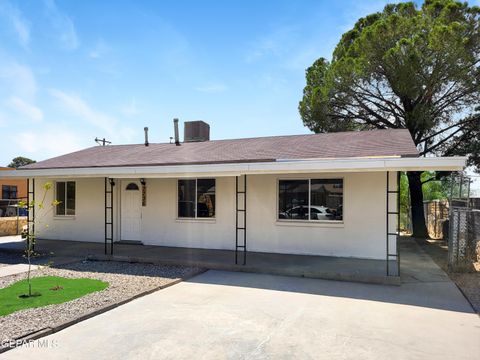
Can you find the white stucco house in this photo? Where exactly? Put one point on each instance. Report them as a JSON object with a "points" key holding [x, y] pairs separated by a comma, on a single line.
{"points": [[319, 194]]}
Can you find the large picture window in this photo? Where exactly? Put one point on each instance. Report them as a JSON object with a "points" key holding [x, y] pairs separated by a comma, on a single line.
{"points": [[310, 199], [65, 195], [9, 191], [196, 198]]}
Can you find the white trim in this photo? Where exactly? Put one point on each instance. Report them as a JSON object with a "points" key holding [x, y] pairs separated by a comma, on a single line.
{"points": [[64, 217], [196, 220], [237, 169], [311, 223]]}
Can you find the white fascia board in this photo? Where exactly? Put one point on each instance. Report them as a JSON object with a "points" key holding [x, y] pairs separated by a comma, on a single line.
{"points": [[277, 167]]}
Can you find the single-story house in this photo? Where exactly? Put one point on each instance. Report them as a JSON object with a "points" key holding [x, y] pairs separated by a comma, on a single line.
{"points": [[320, 194]]}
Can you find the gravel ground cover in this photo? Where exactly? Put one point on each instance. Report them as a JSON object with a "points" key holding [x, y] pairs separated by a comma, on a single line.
{"points": [[126, 280]]}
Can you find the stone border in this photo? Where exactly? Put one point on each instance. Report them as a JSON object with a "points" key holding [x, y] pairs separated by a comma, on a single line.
{"points": [[48, 331]]}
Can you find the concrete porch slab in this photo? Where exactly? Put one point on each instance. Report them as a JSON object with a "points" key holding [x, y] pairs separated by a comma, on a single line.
{"points": [[322, 267]]}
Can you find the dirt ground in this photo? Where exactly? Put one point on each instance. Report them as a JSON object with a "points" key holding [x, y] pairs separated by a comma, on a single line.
{"points": [[468, 283]]}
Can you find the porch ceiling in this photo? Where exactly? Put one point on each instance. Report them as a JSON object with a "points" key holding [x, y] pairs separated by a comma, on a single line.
{"points": [[286, 166]]}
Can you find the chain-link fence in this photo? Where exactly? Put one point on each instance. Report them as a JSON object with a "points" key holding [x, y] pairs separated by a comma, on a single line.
{"points": [[464, 239]]}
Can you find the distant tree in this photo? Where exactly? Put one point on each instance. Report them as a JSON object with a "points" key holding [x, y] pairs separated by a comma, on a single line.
{"points": [[20, 161], [405, 67]]}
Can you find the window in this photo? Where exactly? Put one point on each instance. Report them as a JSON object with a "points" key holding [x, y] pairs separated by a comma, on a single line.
{"points": [[9, 191], [65, 195], [310, 199], [132, 186], [196, 198]]}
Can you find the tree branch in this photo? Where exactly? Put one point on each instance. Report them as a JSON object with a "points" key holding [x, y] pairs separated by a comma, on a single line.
{"points": [[427, 150], [449, 127]]}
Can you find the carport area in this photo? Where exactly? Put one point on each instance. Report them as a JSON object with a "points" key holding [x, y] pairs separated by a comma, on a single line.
{"points": [[235, 315]]}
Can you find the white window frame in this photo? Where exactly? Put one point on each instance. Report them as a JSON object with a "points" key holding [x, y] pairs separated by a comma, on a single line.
{"points": [[56, 198], [181, 218], [309, 220]]}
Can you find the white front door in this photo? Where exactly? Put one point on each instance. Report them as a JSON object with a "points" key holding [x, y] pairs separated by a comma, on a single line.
{"points": [[131, 225]]}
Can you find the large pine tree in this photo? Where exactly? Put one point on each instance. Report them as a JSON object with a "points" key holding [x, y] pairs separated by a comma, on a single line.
{"points": [[405, 67]]}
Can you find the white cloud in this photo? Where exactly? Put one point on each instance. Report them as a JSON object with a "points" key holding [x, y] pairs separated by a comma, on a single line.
{"points": [[17, 79], [19, 24], [109, 125], [48, 142], [63, 24], [26, 109], [212, 88], [79, 108]]}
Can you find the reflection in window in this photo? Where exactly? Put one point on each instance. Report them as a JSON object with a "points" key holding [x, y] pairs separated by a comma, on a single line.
{"points": [[70, 203], [293, 199], [186, 198], [326, 199], [65, 195], [206, 198], [311, 199], [196, 198]]}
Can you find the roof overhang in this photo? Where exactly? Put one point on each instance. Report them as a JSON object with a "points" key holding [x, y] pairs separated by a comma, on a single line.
{"points": [[235, 169]]}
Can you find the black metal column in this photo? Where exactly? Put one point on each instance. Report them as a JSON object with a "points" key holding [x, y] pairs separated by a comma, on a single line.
{"points": [[109, 184], [241, 229], [390, 256], [30, 212]]}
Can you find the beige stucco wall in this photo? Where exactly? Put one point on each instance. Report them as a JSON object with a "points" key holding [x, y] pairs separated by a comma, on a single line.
{"points": [[88, 222], [362, 233]]}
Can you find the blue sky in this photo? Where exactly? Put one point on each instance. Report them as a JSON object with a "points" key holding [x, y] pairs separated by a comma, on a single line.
{"points": [[73, 70]]}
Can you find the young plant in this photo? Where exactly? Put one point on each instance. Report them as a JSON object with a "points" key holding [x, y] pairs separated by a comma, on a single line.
{"points": [[32, 236]]}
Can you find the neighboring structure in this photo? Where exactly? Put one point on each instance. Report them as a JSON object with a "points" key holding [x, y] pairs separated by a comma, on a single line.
{"points": [[319, 194], [12, 190]]}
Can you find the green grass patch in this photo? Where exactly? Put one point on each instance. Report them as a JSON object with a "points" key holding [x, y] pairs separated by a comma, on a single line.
{"points": [[51, 290]]}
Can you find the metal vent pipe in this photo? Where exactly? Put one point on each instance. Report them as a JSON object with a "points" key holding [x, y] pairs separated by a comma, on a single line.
{"points": [[177, 138], [146, 135]]}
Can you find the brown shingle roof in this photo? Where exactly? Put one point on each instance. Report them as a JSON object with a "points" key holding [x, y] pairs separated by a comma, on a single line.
{"points": [[375, 143]]}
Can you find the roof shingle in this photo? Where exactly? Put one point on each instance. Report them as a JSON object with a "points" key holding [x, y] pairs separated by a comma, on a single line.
{"points": [[375, 143]]}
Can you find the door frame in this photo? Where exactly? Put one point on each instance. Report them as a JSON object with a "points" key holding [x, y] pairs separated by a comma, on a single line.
{"points": [[123, 184]]}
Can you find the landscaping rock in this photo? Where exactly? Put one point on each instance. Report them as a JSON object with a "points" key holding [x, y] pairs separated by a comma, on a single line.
{"points": [[126, 280]]}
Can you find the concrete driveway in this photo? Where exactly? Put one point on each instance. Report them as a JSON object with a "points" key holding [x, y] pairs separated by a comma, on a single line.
{"points": [[227, 315]]}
